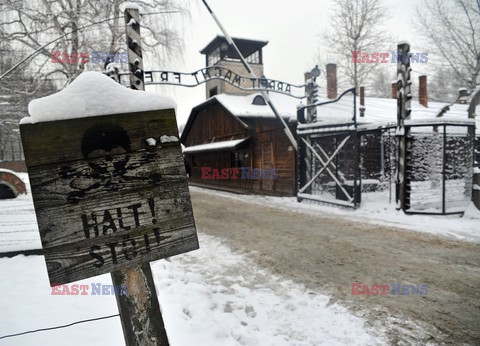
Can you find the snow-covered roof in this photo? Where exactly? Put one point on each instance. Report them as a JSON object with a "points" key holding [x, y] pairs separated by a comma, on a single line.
{"points": [[242, 105], [223, 145], [378, 111], [131, 5], [383, 112], [4, 170], [93, 94]]}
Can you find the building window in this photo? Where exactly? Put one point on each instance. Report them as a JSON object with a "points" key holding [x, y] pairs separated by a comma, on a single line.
{"points": [[239, 159], [213, 91]]}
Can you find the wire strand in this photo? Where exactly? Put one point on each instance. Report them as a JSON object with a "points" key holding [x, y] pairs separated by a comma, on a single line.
{"points": [[58, 327], [68, 33]]}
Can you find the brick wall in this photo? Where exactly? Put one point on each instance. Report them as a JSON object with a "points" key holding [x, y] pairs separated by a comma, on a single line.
{"points": [[17, 166], [236, 67]]}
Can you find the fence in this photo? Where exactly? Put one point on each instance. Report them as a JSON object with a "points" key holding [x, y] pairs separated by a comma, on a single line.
{"points": [[342, 161]]}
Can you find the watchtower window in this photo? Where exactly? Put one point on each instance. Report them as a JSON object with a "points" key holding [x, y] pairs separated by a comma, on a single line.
{"points": [[259, 101], [220, 50], [254, 58], [214, 57]]}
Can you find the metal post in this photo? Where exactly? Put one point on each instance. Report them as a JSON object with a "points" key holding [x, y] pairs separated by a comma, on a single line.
{"points": [[355, 108], [474, 101], [390, 166], [301, 155], [301, 181], [404, 97], [382, 155], [444, 167], [140, 313], [336, 164], [134, 42], [311, 113], [356, 165]]}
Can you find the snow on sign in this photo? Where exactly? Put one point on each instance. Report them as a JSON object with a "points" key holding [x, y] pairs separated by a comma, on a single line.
{"points": [[106, 196]]}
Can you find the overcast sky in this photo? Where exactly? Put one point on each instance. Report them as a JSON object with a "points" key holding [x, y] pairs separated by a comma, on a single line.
{"points": [[290, 27]]}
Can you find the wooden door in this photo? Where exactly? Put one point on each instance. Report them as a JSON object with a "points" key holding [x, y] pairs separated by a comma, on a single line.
{"points": [[268, 162]]}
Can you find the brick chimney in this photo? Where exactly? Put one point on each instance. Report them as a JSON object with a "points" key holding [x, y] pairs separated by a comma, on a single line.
{"points": [[422, 91], [332, 81], [394, 90], [362, 101]]}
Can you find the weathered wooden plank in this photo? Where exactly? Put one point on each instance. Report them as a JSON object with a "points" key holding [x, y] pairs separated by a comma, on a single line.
{"points": [[71, 264], [70, 182], [105, 199], [133, 209], [61, 141]]}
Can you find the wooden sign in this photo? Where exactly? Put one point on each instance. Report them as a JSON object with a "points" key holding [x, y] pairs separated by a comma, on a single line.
{"points": [[109, 192]]}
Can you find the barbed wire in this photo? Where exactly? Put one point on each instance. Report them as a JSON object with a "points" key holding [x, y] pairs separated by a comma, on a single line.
{"points": [[58, 327]]}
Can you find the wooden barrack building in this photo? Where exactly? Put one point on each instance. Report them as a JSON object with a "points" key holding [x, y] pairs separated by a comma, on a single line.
{"points": [[235, 128]]}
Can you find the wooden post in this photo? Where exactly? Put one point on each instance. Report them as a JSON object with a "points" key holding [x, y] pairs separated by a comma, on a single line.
{"points": [[142, 321], [140, 313]]}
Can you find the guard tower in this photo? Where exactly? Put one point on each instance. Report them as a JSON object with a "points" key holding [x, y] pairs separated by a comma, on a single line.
{"points": [[219, 53]]}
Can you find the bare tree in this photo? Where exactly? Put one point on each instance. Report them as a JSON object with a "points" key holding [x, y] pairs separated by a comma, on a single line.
{"points": [[27, 25], [444, 84], [356, 26], [380, 83], [452, 30], [15, 93]]}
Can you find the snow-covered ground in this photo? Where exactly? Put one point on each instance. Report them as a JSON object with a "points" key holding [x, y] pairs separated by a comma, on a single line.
{"points": [[378, 211], [209, 297], [18, 225], [212, 296]]}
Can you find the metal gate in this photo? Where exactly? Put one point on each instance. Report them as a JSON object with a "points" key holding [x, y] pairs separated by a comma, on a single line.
{"points": [[328, 153], [438, 170]]}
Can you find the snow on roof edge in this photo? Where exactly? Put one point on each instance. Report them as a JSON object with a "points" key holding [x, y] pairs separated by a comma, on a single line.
{"points": [[214, 145]]}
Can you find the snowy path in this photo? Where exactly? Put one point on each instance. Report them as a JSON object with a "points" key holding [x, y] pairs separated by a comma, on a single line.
{"points": [[375, 209], [209, 297], [224, 298], [218, 297], [325, 251]]}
